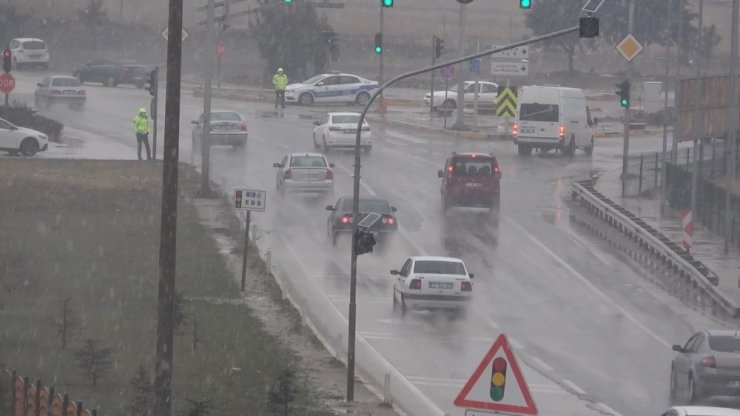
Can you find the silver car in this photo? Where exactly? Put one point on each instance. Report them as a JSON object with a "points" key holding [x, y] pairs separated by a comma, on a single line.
{"points": [[304, 172], [228, 128], [60, 89], [707, 365]]}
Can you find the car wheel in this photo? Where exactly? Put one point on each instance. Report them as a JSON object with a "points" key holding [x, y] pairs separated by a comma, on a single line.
{"points": [[110, 81], [363, 98], [693, 396], [29, 147], [590, 148], [315, 144], [324, 146], [395, 302], [333, 237], [449, 104], [524, 150], [404, 308], [305, 99], [672, 395]]}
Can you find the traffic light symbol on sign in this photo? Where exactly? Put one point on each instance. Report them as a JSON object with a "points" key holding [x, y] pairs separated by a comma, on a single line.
{"points": [[238, 199], [525, 4], [386, 3], [7, 60], [378, 43], [624, 93], [439, 46], [498, 379]]}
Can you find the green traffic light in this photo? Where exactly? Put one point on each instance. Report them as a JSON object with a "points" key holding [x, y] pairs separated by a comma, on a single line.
{"points": [[378, 49], [387, 3], [525, 4], [288, 1], [624, 102]]}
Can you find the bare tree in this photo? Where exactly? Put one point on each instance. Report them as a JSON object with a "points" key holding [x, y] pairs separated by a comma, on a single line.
{"points": [[94, 17], [94, 360], [67, 323], [142, 402], [283, 392]]}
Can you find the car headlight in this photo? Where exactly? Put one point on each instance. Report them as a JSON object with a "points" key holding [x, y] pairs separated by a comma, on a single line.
{"points": [[44, 137]]}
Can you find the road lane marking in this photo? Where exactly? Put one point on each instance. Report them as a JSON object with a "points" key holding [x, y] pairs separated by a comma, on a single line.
{"points": [[540, 363], [608, 410], [575, 387], [588, 283]]}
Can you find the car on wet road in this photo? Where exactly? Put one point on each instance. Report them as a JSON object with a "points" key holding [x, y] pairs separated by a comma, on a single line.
{"points": [[19, 140], [228, 128], [471, 180], [60, 89], [339, 131], [340, 217], [305, 173]]}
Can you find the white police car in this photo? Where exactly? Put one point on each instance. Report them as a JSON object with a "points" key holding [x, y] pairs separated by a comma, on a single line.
{"points": [[335, 87]]}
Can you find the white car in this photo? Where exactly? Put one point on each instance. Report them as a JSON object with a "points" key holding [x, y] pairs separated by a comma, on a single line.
{"points": [[58, 89], [427, 282], [700, 411], [29, 52], [487, 93], [339, 131], [228, 128], [336, 87], [15, 140], [304, 172]]}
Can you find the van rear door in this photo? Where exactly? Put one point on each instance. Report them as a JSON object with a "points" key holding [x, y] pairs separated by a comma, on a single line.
{"points": [[541, 121]]}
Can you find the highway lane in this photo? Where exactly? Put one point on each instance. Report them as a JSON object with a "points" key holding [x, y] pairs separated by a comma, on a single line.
{"points": [[581, 316]]}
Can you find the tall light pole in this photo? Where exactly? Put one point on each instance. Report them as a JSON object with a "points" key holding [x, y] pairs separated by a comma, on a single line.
{"points": [[205, 136], [679, 42], [627, 110], [732, 125], [380, 80], [460, 122], [666, 115], [698, 119]]}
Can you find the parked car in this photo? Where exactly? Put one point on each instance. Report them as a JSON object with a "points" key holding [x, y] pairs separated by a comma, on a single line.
{"points": [[487, 93], [340, 217], [20, 140], [111, 73], [700, 411], [707, 365], [228, 128], [60, 89], [339, 131], [29, 52], [335, 87], [471, 180], [304, 172]]}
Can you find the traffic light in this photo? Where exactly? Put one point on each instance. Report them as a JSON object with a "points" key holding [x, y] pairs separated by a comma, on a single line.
{"points": [[439, 46], [153, 82], [7, 60], [624, 93], [378, 43], [525, 4], [238, 199], [498, 379], [364, 242], [287, 1], [386, 3]]}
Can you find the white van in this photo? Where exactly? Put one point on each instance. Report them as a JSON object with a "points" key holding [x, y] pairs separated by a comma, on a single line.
{"points": [[552, 118]]}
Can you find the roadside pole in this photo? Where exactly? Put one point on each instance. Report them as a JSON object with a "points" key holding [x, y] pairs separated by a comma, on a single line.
{"points": [[732, 127], [434, 59], [475, 94], [674, 145], [205, 178], [460, 121], [698, 121], [168, 227], [382, 52], [627, 110], [666, 114], [246, 249], [356, 187]]}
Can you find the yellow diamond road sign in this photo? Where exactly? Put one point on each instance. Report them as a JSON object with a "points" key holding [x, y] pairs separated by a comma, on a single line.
{"points": [[183, 35], [629, 47]]}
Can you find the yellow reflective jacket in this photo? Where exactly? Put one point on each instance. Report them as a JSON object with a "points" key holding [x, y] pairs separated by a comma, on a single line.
{"points": [[141, 124], [280, 81]]}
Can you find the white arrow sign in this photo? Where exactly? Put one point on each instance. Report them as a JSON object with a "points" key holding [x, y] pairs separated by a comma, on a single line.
{"points": [[520, 52], [511, 68]]}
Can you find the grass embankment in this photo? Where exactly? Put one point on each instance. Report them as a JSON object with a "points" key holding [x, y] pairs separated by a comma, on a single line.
{"points": [[88, 231]]}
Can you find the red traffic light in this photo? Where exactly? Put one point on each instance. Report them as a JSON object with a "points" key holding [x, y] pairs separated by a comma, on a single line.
{"points": [[7, 63], [6, 53]]}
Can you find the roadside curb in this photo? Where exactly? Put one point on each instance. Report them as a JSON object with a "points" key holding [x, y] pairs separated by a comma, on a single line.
{"points": [[469, 135], [633, 133]]}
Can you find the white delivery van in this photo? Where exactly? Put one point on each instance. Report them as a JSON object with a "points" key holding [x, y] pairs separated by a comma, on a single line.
{"points": [[551, 117]]}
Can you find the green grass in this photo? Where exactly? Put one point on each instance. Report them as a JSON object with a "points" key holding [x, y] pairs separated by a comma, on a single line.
{"points": [[89, 231]]}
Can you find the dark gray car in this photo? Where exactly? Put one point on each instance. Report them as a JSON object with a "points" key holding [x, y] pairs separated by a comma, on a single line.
{"points": [[707, 365]]}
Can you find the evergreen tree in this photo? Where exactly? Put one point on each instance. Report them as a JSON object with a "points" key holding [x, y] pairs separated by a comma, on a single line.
{"points": [[142, 402], [94, 360]]}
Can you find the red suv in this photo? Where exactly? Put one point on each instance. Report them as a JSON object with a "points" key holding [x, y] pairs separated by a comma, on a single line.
{"points": [[471, 180]]}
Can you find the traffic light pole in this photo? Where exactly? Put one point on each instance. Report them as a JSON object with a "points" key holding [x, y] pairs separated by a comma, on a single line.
{"points": [[460, 122], [627, 115], [356, 186], [664, 157], [205, 178], [732, 125], [434, 59], [698, 119], [380, 80]]}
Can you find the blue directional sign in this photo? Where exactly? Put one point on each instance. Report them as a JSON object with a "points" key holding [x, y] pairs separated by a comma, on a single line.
{"points": [[474, 66]]}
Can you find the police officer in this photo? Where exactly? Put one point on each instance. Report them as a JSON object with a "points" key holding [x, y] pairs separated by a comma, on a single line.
{"points": [[141, 126], [280, 81]]}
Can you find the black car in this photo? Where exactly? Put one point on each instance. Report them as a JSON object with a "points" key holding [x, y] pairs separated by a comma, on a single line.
{"points": [[340, 217], [111, 73]]}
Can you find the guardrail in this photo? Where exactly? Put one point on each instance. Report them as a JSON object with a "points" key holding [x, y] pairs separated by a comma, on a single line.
{"points": [[694, 281]]}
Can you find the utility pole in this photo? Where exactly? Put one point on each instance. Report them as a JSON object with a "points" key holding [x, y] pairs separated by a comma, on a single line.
{"points": [[460, 122], [679, 41], [732, 127], [666, 115], [168, 230], [698, 120], [205, 178], [434, 59], [627, 109], [380, 80]]}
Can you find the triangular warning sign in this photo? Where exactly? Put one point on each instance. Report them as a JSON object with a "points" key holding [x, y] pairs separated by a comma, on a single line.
{"points": [[498, 384]]}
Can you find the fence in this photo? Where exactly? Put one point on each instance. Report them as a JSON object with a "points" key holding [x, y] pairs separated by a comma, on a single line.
{"points": [[20, 397], [644, 174]]}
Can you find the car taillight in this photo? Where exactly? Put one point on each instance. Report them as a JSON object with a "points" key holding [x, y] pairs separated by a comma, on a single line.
{"points": [[334, 129], [346, 219], [415, 284], [55, 92], [708, 362], [243, 127], [80, 92], [388, 219], [366, 128], [449, 169], [466, 287], [329, 175], [497, 171], [562, 132], [514, 130], [288, 174]]}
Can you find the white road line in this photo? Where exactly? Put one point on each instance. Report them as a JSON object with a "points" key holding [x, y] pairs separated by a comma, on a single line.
{"points": [[608, 410], [540, 363], [518, 345], [588, 284], [574, 386]]}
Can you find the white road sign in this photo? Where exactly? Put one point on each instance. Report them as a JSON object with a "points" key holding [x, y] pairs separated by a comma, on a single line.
{"points": [[520, 52], [166, 34], [510, 68], [250, 199]]}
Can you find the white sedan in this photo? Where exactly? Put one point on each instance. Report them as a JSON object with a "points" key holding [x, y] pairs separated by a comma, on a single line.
{"points": [[487, 93], [700, 411], [339, 131], [304, 172], [335, 87], [15, 140], [426, 282]]}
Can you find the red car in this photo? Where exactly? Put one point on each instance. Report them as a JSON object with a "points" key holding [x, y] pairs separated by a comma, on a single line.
{"points": [[471, 180]]}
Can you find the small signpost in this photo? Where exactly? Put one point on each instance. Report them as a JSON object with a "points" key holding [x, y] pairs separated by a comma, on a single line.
{"points": [[7, 84], [688, 230], [248, 200]]}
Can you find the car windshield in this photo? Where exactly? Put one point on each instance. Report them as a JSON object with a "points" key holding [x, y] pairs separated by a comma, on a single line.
{"points": [[539, 112], [478, 166], [225, 117], [34, 44], [439, 267], [347, 119], [313, 80], [380, 206], [307, 161], [65, 82], [724, 343]]}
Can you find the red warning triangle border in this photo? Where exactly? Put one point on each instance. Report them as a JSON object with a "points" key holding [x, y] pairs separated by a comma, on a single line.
{"points": [[463, 401]]}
